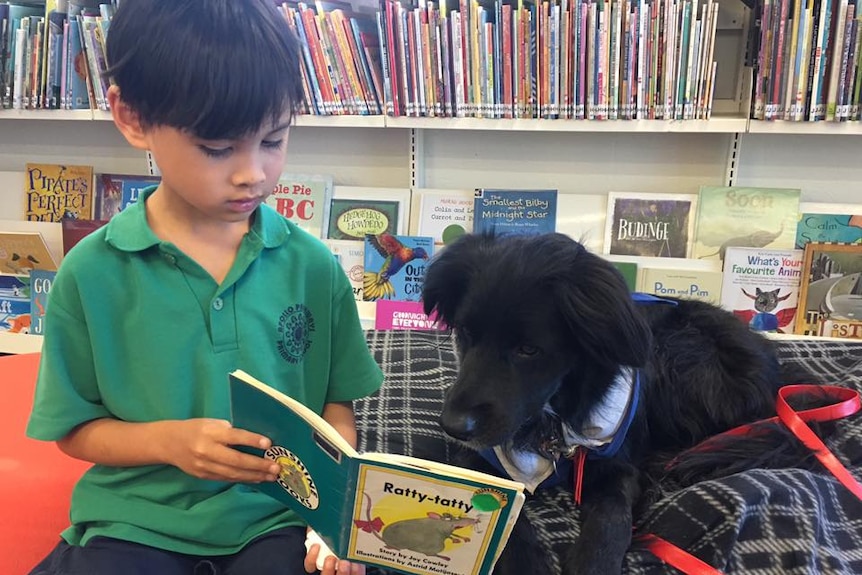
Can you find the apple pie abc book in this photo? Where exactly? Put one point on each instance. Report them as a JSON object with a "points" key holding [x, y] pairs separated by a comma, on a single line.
{"points": [[392, 511], [53, 192]]}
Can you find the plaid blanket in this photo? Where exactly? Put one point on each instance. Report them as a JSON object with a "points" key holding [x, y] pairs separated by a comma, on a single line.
{"points": [[760, 522]]}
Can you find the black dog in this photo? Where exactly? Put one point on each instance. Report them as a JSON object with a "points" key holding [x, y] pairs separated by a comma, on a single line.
{"points": [[547, 334]]}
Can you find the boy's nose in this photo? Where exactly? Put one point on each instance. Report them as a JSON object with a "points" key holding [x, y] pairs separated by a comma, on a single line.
{"points": [[250, 172]]}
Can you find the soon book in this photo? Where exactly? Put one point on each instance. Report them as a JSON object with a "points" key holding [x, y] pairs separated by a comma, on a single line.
{"points": [[392, 511]]}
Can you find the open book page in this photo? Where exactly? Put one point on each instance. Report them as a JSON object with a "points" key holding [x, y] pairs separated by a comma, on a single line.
{"points": [[421, 522]]}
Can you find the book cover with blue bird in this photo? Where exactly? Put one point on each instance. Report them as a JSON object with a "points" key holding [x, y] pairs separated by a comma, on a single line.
{"points": [[395, 266]]}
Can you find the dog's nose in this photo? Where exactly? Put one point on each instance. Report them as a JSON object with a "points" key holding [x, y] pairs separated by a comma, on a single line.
{"points": [[462, 426]]}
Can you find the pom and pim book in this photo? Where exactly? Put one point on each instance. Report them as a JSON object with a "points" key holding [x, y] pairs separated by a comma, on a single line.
{"points": [[391, 511]]}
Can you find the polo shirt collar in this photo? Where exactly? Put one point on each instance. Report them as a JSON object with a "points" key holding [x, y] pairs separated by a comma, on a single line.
{"points": [[130, 231]]}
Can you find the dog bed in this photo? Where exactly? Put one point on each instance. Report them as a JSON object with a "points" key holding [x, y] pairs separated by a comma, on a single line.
{"points": [[760, 521]]}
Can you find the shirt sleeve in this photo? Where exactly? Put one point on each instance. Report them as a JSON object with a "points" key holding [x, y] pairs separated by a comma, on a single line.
{"points": [[354, 372], [66, 390]]}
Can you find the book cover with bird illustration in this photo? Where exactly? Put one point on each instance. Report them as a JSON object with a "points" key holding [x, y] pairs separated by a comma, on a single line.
{"points": [[393, 511], [395, 266], [745, 218], [53, 192]]}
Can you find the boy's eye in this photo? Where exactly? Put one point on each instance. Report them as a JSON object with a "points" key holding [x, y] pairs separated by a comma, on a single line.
{"points": [[273, 144], [214, 152]]}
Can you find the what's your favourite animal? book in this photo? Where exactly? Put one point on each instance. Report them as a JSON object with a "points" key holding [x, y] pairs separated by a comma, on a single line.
{"points": [[761, 287], [746, 218], [53, 192], [392, 511]]}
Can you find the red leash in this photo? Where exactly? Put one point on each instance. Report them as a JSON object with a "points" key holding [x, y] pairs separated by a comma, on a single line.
{"points": [[847, 403]]}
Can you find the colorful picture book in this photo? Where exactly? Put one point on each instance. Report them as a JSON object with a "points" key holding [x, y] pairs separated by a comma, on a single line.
{"points": [[445, 215], [391, 314], [304, 199], [745, 217], [841, 223], [53, 192], [390, 511], [830, 298], [21, 252], [704, 285], [357, 212], [14, 303], [115, 192], [351, 256], [654, 225], [40, 286], [761, 287], [501, 211], [395, 266]]}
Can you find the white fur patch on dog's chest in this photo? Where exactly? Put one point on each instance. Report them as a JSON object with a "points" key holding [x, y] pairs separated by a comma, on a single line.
{"points": [[600, 429]]}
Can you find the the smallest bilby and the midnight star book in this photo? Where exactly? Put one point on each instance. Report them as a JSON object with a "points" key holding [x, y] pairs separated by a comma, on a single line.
{"points": [[392, 511]]}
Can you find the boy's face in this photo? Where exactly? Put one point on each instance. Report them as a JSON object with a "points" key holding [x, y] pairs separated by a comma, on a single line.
{"points": [[222, 180]]}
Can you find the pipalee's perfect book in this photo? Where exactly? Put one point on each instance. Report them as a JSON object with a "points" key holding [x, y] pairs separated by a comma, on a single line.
{"points": [[392, 511]]}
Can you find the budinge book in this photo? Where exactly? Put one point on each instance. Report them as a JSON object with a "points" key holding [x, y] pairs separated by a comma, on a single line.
{"points": [[761, 287], [395, 266], [745, 217], [392, 511], [53, 192], [830, 297], [503, 211], [304, 199], [647, 224]]}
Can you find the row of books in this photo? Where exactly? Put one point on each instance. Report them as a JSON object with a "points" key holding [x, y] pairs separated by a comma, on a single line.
{"points": [[808, 61], [52, 56], [570, 59]]}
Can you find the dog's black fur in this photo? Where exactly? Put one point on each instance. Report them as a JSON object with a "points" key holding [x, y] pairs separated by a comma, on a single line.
{"points": [[539, 321]]}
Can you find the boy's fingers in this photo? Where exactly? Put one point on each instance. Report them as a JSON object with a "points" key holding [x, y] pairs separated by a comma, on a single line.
{"points": [[248, 438]]}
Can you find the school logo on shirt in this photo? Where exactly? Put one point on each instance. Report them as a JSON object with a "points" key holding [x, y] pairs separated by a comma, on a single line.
{"points": [[295, 328]]}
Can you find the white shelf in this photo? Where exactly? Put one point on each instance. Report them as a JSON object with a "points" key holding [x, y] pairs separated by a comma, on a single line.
{"points": [[61, 115], [341, 121], [20, 343], [782, 127], [715, 125]]}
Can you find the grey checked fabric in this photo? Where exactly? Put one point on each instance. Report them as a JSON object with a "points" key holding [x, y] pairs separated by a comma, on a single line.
{"points": [[759, 522]]}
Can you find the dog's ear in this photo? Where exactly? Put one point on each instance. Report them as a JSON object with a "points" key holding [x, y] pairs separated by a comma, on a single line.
{"points": [[449, 274], [600, 312]]}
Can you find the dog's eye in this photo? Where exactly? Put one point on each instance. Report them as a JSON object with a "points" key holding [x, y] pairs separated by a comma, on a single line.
{"points": [[527, 350]]}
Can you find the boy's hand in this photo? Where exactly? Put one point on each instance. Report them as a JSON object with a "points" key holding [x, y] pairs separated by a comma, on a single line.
{"points": [[203, 448], [331, 565]]}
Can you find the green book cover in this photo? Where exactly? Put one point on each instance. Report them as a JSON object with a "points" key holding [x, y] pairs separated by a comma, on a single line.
{"points": [[392, 511]]}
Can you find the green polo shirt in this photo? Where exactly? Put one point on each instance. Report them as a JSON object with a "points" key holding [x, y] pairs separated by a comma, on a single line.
{"points": [[136, 330]]}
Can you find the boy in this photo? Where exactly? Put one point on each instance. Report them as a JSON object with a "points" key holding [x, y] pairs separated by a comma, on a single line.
{"points": [[150, 313]]}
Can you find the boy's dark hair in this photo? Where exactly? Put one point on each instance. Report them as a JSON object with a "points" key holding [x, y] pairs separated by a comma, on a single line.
{"points": [[219, 69]]}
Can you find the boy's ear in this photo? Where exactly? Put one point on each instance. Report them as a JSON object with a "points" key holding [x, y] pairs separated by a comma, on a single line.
{"points": [[127, 120]]}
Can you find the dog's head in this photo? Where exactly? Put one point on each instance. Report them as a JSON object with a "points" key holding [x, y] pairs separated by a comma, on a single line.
{"points": [[538, 320]]}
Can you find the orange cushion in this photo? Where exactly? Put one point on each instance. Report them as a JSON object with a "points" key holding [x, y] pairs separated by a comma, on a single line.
{"points": [[36, 478]]}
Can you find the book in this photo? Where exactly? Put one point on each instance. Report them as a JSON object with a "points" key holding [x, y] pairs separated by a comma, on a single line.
{"points": [[582, 218], [76, 230], [704, 285], [351, 256], [21, 252], [629, 271], [830, 297], [115, 192], [445, 215], [304, 199], [819, 222], [387, 510], [357, 212], [762, 287], [53, 192], [40, 286], [646, 224], [502, 211], [745, 217], [14, 303], [391, 314], [395, 266]]}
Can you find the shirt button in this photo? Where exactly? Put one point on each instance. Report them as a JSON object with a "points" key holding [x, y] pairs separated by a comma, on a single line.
{"points": [[170, 258], [218, 303]]}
